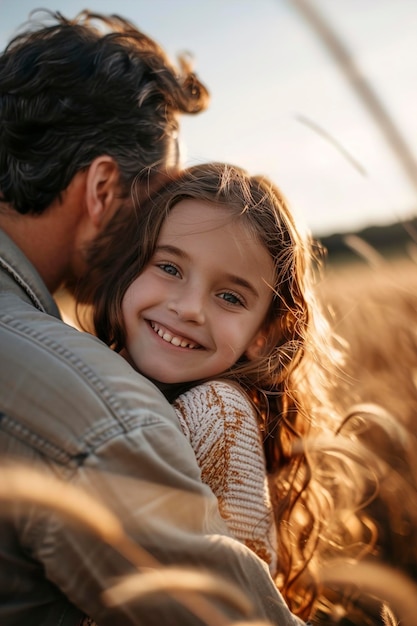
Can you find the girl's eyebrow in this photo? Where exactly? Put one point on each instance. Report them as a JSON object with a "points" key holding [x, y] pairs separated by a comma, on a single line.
{"points": [[242, 282], [236, 280], [172, 250]]}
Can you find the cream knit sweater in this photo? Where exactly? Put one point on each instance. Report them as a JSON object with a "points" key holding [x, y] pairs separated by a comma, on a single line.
{"points": [[220, 422]]}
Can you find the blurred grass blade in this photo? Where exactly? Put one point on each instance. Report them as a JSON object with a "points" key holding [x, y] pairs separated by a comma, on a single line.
{"points": [[176, 580]]}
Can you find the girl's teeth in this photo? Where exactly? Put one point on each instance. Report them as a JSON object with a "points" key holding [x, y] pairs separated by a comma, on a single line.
{"points": [[171, 339]]}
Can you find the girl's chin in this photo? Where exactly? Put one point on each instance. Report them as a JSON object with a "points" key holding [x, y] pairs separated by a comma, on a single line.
{"points": [[163, 385]]}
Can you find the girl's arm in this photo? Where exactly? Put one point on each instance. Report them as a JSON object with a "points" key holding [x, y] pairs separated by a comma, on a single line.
{"points": [[220, 423]]}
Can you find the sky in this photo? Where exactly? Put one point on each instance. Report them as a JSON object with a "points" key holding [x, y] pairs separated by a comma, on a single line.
{"points": [[277, 95]]}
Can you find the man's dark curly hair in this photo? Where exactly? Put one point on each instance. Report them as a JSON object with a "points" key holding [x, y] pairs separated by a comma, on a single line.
{"points": [[71, 90]]}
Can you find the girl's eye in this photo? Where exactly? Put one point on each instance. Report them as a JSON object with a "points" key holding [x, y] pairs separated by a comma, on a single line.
{"points": [[231, 298], [168, 268]]}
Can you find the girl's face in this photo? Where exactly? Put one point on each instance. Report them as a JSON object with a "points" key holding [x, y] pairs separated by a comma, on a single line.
{"points": [[201, 302]]}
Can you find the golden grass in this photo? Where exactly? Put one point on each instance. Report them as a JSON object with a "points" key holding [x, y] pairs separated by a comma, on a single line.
{"points": [[376, 579], [374, 308]]}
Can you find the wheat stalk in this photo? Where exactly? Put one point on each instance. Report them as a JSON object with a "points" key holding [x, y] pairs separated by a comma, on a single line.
{"points": [[28, 486], [399, 593]]}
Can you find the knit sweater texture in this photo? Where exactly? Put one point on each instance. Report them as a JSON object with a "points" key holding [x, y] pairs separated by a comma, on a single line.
{"points": [[221, 425]]}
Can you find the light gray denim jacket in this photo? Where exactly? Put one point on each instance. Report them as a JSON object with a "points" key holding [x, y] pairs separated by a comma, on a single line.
{"points": [[73, 408]]}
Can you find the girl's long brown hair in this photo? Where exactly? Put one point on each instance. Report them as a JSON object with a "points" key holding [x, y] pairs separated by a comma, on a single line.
{"points": [[288, 381]]}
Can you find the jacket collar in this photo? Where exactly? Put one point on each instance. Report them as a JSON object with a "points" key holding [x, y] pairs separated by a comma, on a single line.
{"points": [[14, 263]]}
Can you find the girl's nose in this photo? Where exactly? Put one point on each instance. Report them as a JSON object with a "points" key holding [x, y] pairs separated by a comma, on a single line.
{"points": [[189, 306]]}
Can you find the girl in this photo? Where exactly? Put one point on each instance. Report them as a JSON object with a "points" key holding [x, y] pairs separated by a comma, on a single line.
{"points": [[207, 290]]}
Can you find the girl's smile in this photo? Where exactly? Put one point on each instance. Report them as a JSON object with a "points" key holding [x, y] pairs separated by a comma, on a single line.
{"points": [[170, 337], [201, 301]]}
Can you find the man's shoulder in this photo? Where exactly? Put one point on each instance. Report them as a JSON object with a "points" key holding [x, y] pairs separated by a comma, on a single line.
{"points": [[66, 392]]}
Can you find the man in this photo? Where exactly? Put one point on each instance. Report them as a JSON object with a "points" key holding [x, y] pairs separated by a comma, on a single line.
{"points": [[85, 106]]}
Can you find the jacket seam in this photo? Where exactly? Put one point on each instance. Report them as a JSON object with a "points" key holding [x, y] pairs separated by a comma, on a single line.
{"points": [[119, 420], [22, 283], [76, 363], [28, 437]]}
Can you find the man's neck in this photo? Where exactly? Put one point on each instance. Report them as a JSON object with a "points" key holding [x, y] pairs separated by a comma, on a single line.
{"points": [[42, 241]]}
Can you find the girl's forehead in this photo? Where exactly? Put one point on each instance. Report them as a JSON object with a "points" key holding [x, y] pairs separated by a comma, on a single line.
{"points": [[189, 213], [217, 236]]}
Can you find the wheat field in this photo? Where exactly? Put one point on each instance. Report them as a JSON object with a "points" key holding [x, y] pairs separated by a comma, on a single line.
{"points": [[373, 306]]}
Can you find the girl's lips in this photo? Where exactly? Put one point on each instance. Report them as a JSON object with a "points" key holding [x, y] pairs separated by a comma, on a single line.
{"points": [[175, 340]]}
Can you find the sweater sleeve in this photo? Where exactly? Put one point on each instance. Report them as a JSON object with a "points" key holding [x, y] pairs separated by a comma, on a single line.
{"points": [[220, 423]]}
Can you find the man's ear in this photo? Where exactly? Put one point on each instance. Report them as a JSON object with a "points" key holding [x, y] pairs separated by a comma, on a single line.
{"points": [[102, 184]]}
